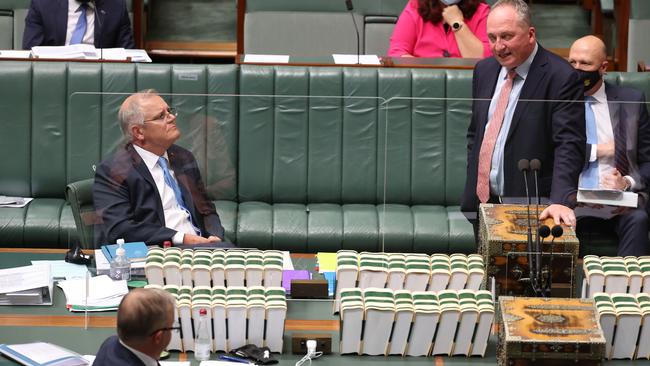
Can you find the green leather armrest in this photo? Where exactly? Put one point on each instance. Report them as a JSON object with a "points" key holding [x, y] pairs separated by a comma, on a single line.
{"points": [[80, 197]]}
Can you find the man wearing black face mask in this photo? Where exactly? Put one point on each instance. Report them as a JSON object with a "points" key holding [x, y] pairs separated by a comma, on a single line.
{"points": [[618, 140]]}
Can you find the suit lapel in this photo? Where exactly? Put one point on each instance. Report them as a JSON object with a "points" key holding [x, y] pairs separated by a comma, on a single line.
{"points": [[613, 106], [141, 167], [536, 75], [62, 21]]}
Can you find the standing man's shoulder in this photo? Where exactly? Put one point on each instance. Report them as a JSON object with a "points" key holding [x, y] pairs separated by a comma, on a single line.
{"points": [[486, 64]]}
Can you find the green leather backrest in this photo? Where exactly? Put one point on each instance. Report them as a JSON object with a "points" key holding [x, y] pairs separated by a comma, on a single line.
{"points": [[341, 149], [61, 119]]}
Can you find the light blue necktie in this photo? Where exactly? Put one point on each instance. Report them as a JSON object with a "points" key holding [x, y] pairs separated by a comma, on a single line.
{"points": [[589, 178], [80, 29], [171, 183]]}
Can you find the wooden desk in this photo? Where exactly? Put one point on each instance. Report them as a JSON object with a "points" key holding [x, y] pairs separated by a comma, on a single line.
{"points": [[22, 324]]}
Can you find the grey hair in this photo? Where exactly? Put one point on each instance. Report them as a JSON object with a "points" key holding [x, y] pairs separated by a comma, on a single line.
{"points": [[130, 112], [521, 8]]}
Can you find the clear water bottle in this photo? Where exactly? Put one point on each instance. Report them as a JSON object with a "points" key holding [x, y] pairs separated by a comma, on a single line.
{"points": [[120, 265], [203, 341]]}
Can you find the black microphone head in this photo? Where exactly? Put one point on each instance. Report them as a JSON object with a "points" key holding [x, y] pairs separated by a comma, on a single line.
{"points": [[535, 164], [523, 165], [557, 231], [544, 231], [348, 4]]}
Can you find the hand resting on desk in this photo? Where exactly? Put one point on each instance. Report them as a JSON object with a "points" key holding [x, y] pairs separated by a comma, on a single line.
{"points": [[195, 239]]}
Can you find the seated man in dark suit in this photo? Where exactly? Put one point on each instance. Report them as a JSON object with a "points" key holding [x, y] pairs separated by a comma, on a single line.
{"points": [[103, 23], [618, 138], [145, 320], [150, 189]]}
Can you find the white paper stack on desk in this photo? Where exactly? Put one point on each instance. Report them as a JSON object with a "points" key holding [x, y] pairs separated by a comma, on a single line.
{"points": [[625, 320], [239, 316], [26, 285], [616, 275], [379, 321], [187, 267], [413, 272], [104, 294]]}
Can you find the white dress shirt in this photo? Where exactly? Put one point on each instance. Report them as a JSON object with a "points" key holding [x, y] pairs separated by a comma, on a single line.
{"points": [[73, 17], [605, 134], [176, 218], [496, 169]]}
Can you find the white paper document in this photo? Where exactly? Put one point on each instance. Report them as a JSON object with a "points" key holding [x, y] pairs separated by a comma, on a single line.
{"points": [[42, 353], [64, 270], [287, 263], [103, 293], [136, 55], [77, 51], [24, 278], [608, 197], [15, 53], [7, 201], [354, 59], [266, 59]]}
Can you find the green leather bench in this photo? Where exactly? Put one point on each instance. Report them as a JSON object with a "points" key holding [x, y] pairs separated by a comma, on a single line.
{"points": [[340, 158]]}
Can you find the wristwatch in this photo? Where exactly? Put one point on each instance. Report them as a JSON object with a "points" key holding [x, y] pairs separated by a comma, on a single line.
{"points": [[456, 26]]}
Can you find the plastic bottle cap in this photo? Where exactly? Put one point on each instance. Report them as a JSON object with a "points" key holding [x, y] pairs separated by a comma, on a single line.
{"points": [[120, 241], [203, 312]]}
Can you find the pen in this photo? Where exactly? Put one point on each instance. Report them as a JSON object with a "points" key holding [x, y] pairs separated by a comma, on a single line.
{"points": [[235, 359]]}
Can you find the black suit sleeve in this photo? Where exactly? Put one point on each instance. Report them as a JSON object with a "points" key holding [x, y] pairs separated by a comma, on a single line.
{"points": [[643, 144], [114, 200], [568, 126], [124, 35], [33, 34]]}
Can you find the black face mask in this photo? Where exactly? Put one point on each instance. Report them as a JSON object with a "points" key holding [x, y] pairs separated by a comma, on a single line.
{"points": [[589, 78]]}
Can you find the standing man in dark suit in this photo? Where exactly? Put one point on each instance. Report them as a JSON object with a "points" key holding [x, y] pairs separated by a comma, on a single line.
{"points": [[145, 320], [151, 190], [525, 108], [106, 23], [618, 141]]}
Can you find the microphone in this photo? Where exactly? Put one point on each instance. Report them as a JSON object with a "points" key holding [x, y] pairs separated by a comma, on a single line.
{"points": [[557, 232], [524, 166], [350, 7], [535, 166]]}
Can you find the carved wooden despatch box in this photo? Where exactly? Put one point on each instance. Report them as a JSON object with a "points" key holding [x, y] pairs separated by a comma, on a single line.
{"points": [[549, 331], [503, 243]]}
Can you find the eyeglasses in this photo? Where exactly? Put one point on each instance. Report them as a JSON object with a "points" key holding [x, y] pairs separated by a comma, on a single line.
{"points": [[173, 329], [165, 116]]}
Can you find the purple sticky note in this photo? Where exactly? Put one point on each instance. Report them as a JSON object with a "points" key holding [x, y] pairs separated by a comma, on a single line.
{"points": [[289, 275]]}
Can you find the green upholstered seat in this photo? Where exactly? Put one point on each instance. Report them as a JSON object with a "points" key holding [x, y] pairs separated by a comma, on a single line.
{"points": [[304, 159]]}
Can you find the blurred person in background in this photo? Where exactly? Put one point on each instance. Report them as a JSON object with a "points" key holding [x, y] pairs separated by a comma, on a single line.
{"points": [[441, 28]]}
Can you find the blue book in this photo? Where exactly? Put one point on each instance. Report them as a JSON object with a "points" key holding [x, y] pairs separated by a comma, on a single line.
{"points": [[136, 251]]}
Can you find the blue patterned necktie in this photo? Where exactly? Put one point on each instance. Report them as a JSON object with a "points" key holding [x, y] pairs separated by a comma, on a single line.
{"points": [[589, 177], [80, 29], [171, 183]]}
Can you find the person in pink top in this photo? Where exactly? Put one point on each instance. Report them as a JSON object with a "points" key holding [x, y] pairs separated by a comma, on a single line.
{"points": [[441, 28]]}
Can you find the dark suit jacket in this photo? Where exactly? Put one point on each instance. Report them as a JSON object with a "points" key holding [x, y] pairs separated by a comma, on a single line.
{"points": [[553, 132], [635, 116], [47, 22], [112, 353], [128, 202]]}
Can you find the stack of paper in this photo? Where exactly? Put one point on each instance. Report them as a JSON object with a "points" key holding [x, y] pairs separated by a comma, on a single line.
{"points": [[77, 51], [104, 294], [27, 285], [41, 353]]}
